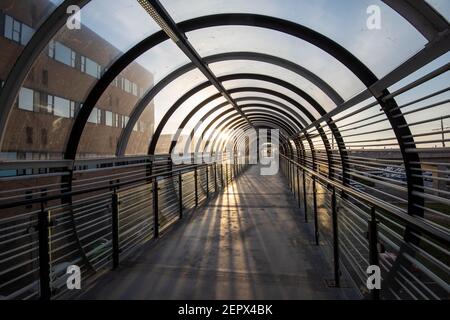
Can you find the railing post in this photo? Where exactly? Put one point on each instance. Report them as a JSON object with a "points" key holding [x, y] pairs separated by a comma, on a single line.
{"points": [[207, 181], [180, 194], [305, 200], [289, 174], [293, 178], [337, 272], [373, 248], [44, 254], [215, 177], [155, 208], [196, 186], [115, 229], [316, 218], [226, 174], [298, 188]]}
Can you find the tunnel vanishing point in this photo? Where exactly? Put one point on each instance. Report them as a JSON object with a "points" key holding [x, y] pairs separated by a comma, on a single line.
{"points": [[169, 149]]}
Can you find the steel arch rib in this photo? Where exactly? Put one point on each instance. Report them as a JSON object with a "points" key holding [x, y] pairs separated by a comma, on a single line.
{"points": [[265, 109], [142, 104], [296, 30], [281, 96], [394, 115], [202, 86], [252, 76], [429, 25], [230, 121], [211, 123], [224, 123], [259, 115], [218, 107]]}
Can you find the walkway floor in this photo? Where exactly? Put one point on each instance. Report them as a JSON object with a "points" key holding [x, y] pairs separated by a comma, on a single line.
{"points": [[248, 243]]}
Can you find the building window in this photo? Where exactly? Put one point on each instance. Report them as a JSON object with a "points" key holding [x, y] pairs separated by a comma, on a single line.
{"points": [[100, 116], [83, 64], [8, 32], [26, 34], [63, 54], [73, 59], [116, 120], [51, 49], [45, 77], [62, 107], [92, 68], [17, 31], [50, 103], [109, 118], [127, 86], [44, 136], [26, 101], [73, 109], [29, 134], [93, 118], [41, 103]]}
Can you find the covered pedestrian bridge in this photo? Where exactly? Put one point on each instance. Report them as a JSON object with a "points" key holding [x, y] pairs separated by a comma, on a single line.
{"points": [[224, 149]]}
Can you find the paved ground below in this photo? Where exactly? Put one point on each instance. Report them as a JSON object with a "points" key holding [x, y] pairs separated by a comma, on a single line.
{"points": [[250, 242]]}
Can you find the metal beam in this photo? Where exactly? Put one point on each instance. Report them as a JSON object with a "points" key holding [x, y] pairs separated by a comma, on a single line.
{"points": [[168, 25], [421, 15]]}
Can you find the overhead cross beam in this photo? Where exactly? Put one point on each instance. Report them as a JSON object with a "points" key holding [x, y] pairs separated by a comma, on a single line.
{"points": [[155, 9]]}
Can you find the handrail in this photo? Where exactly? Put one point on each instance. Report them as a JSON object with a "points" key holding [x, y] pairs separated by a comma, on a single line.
{"points": [[380, 204], [100, 188]]}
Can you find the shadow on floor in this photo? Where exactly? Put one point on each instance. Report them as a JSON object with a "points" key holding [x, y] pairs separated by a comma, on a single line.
{"points": [[248, 243]]}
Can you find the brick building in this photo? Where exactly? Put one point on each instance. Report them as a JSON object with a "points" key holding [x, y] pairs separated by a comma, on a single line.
{"points": [[60, 80]]}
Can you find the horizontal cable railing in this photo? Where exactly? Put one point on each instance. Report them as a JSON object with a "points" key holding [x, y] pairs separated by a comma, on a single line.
{"points": [[96, 220], [412, 253]]}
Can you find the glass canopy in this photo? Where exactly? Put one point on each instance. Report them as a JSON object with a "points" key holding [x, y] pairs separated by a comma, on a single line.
{"points": [[122, 77]]}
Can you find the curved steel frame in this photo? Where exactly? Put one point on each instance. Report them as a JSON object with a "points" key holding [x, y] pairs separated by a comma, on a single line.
{"points": [[389, 106], [148, 97], [419, 13], [289, 127], [265, 78], [218, 107]]}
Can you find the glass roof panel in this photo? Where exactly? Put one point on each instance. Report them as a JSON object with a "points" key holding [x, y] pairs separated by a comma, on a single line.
{"points": [[217, 40], [161, 104], [346, 22], [274, 87], [244, 66]]}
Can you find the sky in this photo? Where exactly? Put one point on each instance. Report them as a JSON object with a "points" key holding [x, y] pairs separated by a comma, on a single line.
{"points": [[343, 21]]}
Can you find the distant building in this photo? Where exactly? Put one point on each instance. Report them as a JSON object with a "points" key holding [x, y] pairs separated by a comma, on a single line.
{"points": [[57, 85]]}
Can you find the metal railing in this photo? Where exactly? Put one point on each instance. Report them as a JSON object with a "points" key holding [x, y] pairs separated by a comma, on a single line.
{"points": [[95, 220], [363, 230]]}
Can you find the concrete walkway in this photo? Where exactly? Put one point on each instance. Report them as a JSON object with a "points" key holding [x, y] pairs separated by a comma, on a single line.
{"points": [[248, 243]]}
